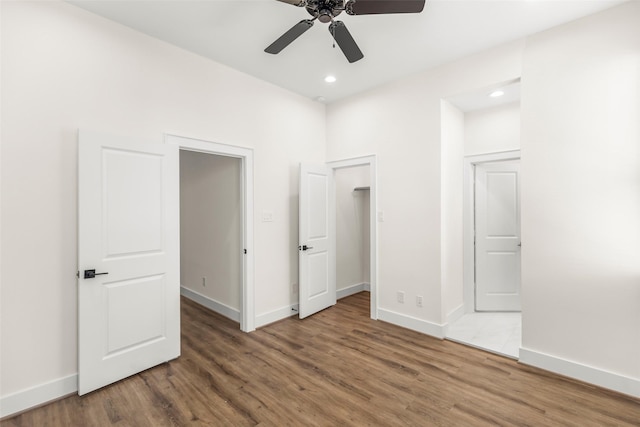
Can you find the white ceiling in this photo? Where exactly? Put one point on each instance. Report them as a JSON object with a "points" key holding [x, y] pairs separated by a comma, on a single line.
{"points": [[481, 98], [235, 33]]}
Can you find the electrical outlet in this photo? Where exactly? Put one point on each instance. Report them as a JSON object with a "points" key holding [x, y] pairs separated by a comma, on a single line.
{"points": [[401, 297], [380, 216], [204, 282], [419, 300]]}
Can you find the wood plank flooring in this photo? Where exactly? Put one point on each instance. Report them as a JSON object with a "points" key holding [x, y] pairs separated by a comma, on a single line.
{"points": [[337, 367]]}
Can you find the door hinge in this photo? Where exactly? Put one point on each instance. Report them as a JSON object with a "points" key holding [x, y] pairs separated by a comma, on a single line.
{"points": [[245, 251], [78, 274]]}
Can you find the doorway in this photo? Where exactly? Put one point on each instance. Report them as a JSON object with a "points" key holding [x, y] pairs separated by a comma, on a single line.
{"points": [[356, 247], [317, 236], [210, 231], [497, 326], [353, 240], [236, 160]]}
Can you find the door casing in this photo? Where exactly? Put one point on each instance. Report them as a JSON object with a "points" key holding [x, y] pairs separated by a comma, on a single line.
{"points": [[247, 304], [469, 220]]}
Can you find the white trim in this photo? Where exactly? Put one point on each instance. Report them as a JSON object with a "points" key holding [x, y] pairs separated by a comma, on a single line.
{"points": [[353, 289], [452, 317], [211, 304], [38, 395], [247, 311], [455, 314], [589, 374], [277, 314], [373, 222], [469, 220], [413, 323]]}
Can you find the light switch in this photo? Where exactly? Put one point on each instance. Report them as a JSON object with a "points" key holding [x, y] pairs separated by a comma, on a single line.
{"points": [[267, 216]]}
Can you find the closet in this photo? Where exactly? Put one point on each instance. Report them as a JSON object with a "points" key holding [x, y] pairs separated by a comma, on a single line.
{"points": [[352, 230]]}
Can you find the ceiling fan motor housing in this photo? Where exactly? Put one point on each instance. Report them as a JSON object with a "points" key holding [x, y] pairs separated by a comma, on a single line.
{"points": [[324, 10]]}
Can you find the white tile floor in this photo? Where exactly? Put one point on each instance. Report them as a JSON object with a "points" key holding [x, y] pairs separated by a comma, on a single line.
{"points": [[496, 332]]}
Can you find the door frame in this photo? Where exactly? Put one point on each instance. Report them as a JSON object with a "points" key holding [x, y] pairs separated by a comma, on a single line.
{"points": [[370, 161], [468, 207], [247, 305]]}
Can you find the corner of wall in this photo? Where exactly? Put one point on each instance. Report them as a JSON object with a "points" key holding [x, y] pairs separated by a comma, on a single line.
{"points": [[278, 314]]}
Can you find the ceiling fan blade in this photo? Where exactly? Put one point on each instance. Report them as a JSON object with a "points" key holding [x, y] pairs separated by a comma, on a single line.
{"points": [[288, 37], [299, 3], [373, 7], [347, 44]]}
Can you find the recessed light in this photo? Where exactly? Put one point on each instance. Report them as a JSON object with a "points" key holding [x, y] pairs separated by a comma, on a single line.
{"points": [[496, 94], [330, 79]]}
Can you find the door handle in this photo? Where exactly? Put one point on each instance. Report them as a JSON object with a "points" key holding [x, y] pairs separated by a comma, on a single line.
{"points": [[90, 274], [304, 247], [520, 244]]}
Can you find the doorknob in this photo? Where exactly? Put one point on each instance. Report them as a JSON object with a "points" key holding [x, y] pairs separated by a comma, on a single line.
{"points": [[90, 274], [304, 247], [520, 244]]}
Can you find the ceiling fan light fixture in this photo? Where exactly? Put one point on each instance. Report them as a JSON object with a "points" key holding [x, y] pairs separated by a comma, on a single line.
{"points": [[325, 16], [330, 79]]}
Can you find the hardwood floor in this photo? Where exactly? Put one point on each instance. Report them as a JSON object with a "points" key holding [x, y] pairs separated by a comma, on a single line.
{"points": [[337, 367]]}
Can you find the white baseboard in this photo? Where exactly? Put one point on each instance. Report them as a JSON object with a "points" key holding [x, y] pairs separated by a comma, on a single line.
{"points": [[275, 315], [38, 395], [452, 317], [292, 310], [413, 323], [225, 310], [353, 289], [589, 374]]}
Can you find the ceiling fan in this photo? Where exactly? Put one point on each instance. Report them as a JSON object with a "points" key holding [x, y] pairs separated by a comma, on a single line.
{"points": [[325, 10]]}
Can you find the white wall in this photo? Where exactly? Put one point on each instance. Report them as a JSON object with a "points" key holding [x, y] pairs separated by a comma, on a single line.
{"points": [[581, 192], [492, 129], [352, 227], [63, 69], [210, 226], [401, 123]]}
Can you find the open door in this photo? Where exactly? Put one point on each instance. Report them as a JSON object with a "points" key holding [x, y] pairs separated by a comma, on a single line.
{"points": [[128, 258], [317, 261]]}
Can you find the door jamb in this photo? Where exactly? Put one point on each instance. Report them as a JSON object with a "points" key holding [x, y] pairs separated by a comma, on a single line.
{"points": [[247, 309], [373, 223], [468, 275]]}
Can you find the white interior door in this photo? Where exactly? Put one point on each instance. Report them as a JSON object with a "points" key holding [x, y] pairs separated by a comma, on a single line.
{"points": [[317, 262], [497, 254], [128, 235]]}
